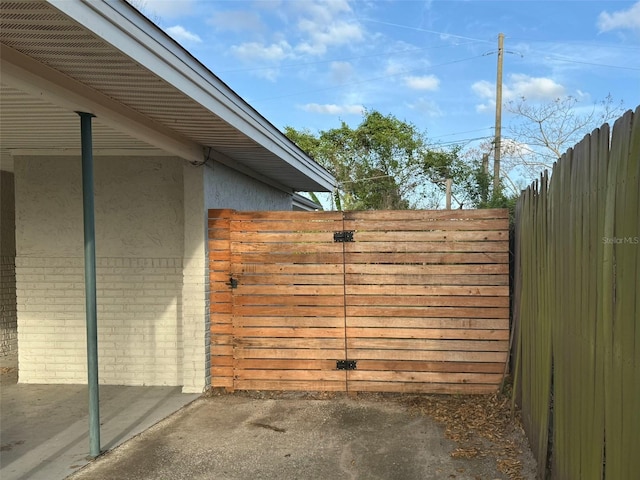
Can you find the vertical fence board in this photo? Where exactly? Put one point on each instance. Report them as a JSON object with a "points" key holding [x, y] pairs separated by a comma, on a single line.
{"points": [[632, 409], [578, 267]]}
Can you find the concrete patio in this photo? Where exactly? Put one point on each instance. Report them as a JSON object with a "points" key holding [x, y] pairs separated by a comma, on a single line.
{"points": [[44, 428]]}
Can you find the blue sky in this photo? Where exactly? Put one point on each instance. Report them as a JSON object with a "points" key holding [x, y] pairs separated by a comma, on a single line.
{"points": [[311, 63]]}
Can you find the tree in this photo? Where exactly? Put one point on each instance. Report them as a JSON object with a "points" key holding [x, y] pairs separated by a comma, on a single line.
{"points": [[541, 132], [383, 163]]}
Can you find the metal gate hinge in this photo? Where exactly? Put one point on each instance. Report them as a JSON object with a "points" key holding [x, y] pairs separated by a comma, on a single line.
{"points": [[346, 365], [233, 283], [343, 236]]}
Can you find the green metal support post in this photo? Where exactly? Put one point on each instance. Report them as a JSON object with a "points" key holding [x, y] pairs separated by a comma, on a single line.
{"points": [[90, 281]]}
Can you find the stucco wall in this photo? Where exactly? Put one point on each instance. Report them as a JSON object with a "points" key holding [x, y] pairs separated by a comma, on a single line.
{"points": [[139, 249], [211, 186], [8, 319], [227, 188]]}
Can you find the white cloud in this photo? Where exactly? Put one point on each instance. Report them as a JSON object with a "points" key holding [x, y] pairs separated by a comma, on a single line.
{"points": [[332, 109], [251, 51], [518, 85], [622, 19], [180, 33], [320, 37], [340, 72], [532, 88], [425, 82]]}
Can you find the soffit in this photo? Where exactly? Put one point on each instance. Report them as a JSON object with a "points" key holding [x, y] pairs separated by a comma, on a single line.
{"points": [[40, 31]]}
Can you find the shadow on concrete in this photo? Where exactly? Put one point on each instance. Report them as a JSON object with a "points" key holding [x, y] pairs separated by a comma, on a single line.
{"points": [[44, 432]]}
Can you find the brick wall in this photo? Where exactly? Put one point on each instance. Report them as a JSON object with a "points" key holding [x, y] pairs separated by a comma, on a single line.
{"points": [[139, 307], [139, 215], [8, 318]]}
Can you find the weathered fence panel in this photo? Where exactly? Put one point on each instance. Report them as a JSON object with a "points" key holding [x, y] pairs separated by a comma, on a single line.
{"points": [[419, 301], [577, 311], [427, 297]]}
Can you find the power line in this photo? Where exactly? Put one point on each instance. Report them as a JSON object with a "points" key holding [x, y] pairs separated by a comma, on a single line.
{"points": [[366, 80], [568, 60], [459, 133], [320, 62], [427, 31]]}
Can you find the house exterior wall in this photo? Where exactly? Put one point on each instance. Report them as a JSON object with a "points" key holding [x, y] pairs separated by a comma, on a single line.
{"points": [[152, 272], [211, 186], [8, 317], [139, 252]]}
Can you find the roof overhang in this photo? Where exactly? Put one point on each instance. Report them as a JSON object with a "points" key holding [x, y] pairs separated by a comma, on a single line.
{"points": [[147, 93]]}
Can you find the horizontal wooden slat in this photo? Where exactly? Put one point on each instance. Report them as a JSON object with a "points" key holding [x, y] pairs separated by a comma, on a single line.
{"points": [[412, 387], [292, 332], [291, 353], [449, 333], [427, 300], [262, 321], [217, 382], [431, 377], [286, 226], [263, 290], [452, 356], [289, 310], [299, 375], [427, 344], [247, 281], [413, 322], [288, 237], [425, 270], [462, 290], [291, 385], [311, 343], [286, 364], [425, 215], [408, 239], [285, 300], [450, 312], [424, 366], [287, 250], [288, 258], [266, 267], [396, 268], [425, 225], [222, 371], [413, 279], [423, 247], [434, 258]]}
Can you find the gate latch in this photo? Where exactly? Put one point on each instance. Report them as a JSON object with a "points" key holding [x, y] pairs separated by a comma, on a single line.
{"points": [[346, 364], [343, 236], [233, 283]]}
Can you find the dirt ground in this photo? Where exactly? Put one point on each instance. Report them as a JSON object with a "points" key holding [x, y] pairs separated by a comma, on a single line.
{"points": [[289, 435]]}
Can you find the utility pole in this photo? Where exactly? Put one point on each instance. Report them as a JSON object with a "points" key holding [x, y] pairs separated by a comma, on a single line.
{"points": [[497, 141]]}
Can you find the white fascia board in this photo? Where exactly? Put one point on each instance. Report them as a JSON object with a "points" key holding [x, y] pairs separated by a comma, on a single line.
{"points": [[119, 24], [30, 76], [304, 203]]}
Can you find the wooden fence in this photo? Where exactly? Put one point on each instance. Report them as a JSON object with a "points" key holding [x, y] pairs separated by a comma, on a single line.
{"points": [[577, 309], [418, 301]]}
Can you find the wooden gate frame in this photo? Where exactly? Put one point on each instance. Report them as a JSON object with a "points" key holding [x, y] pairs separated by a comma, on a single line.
{"points": [[419, 301]]}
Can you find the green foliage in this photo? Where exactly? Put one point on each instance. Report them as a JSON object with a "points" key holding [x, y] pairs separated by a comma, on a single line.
{"points": [[383, 163]]}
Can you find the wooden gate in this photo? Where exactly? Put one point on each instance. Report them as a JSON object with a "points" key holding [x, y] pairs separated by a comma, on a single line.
{"points": [[396, 301]]}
